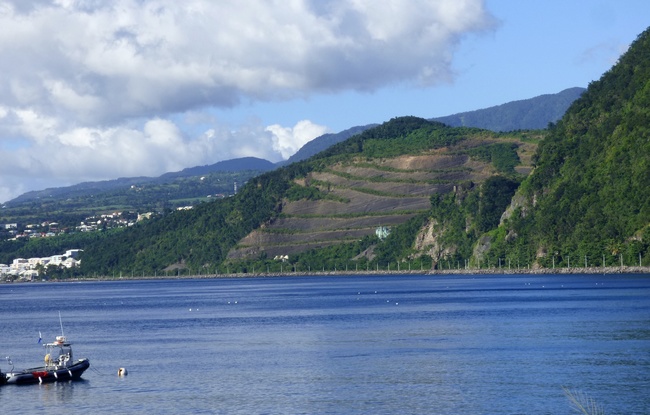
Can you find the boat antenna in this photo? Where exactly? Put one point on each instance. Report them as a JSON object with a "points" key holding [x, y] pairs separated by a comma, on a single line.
{"points": [[61, 323]]}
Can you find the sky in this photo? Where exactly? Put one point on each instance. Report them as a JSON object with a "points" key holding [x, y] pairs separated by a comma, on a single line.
{"points": [[100, 89]]}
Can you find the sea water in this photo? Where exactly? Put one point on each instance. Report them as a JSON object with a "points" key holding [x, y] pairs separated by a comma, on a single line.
{"points": [[336, 345]]}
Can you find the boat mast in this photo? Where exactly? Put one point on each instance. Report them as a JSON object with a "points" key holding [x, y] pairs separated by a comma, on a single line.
{"points": [[61, 323]]}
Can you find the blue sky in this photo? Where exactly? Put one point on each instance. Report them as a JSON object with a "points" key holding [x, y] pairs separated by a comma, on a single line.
{"points": [[100, 90], [536, 47]]}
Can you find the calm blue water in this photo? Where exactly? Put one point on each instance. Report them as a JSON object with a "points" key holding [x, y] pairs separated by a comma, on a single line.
{"points": [[336, 345]]}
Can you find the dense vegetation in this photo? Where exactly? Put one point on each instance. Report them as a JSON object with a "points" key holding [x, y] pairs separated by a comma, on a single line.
{"points": [[199, 238], [588, 197], [502, 155]]}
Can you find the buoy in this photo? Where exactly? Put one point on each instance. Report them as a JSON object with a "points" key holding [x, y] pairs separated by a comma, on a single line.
{"points": [[122, 372]]}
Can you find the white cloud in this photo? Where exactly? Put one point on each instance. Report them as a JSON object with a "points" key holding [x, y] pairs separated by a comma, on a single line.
{"points": [[88, 87], [287, 140], [102, 61], [156, 147]]}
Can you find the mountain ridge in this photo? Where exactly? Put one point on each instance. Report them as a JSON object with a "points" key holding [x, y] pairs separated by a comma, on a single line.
{"points": [[527, 114], [474, 118], [238, 164]]}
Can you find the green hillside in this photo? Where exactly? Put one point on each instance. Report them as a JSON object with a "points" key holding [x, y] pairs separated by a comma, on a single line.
{"points": [[371, 178], [382, 177], [385, 177], [335, 201], [588, 199]]}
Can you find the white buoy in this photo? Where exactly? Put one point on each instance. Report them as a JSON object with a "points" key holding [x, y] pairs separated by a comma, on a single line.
{"points": [[122, 372]]}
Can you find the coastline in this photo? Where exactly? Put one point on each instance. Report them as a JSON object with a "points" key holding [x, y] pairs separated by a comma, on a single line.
{"points": [[462, 271]]}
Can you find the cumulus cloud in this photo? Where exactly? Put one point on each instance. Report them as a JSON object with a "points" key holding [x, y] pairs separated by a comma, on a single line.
{"points": [[287, 140], [102, 77], [107, 60], [157, 146]]}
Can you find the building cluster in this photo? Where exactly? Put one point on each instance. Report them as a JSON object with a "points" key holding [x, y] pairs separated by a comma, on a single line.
{"points": [[14, 231], [32, 230], [29, 268], [110, 220]]}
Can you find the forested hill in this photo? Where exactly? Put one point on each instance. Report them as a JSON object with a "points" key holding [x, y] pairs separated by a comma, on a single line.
{"points": [[334, 200], [528, 114], [588, 199], [92, 188], [324, 141]]}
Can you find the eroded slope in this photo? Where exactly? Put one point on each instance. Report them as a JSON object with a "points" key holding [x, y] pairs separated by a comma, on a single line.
{"points": [[360, 194]]}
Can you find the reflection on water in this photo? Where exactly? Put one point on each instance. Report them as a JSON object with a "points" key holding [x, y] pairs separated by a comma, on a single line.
{"points": [[58, 392]]}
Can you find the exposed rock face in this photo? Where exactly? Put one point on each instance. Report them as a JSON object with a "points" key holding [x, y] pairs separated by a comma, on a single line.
{"points": [[426, 238], [427, 242], [518, 201], [483, 245], [369, 254]]}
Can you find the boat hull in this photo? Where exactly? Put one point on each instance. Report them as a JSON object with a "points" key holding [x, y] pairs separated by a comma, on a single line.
{"points": [[48, 375]]}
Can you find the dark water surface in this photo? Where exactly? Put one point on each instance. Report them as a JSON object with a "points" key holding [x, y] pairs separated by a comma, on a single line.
{"points": [[336, 345]]}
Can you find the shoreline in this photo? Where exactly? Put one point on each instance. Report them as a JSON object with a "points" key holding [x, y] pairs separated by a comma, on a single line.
{"points": [[475, 271]]}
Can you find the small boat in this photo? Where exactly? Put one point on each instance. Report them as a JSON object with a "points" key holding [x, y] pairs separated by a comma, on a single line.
{"points": [[59, 366]]}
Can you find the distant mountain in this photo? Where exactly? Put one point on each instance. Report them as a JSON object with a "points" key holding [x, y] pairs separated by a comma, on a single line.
{"points": [[528, 114], [239, 164], [79, 189], [534, 113], [86, 188]]}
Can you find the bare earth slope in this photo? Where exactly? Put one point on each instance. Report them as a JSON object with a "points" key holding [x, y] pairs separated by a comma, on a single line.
{"points": [[363, 194]]}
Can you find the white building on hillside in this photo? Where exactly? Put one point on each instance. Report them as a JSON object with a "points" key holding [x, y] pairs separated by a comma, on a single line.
{"points": [[73, 253], [27, 268]]}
